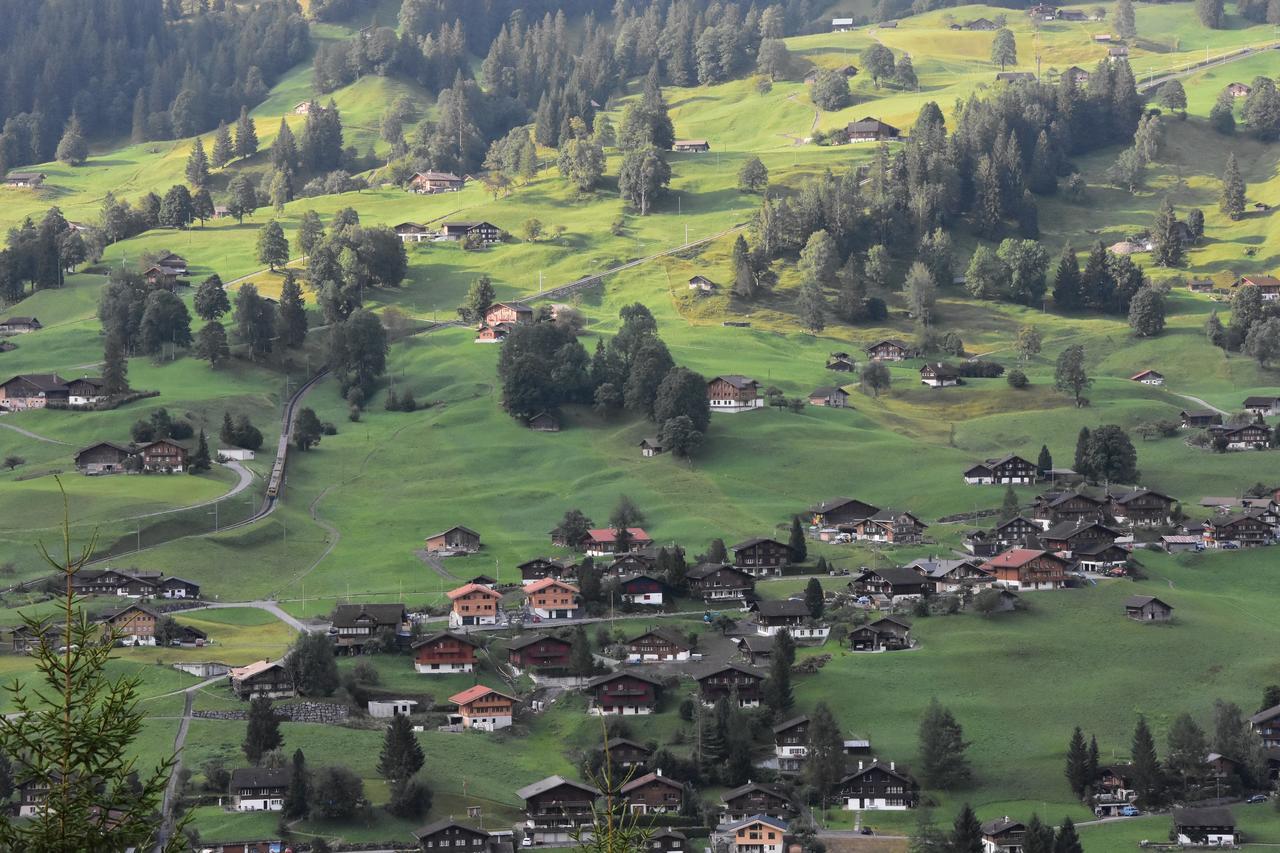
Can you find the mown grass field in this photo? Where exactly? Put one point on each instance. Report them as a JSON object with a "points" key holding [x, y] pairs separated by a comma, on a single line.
{"points": [[1017, 683]]}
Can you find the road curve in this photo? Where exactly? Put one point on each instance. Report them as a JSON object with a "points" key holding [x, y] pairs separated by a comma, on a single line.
{"points": [[1207, 405], [30, 434]]}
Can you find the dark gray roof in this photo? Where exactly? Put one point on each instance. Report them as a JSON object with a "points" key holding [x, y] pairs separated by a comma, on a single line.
{"points": [[623, 673], [1268, 714], [753, 786], [897, 575], [1204, 816], [260, 777], [446, 823], [791, 723], [671, 635], [1001, 825], [711, 669], [1064, 529], [552, 782], [43, 381], [702, 570], [347, 615], [756, 540], [529, 639], [440, 635], [781, 607], [737, 380]]}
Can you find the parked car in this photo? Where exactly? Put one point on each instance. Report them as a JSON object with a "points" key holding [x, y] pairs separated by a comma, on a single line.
{"points": [[1130, 811], [1257, 798]]}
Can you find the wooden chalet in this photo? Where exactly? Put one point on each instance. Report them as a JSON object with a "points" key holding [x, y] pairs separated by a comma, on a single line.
{"points": [[19, 325], [1268, 285], [1070, 535], [1199, 418], [658, 644], [444, 652], [1141, 508], [891, 582], [642, 590], [653, 793], [163, 456], [1251, 436], [791, 743], [886, 634], [485, 232], [259, 789], [508, 312], [542, 652], [733, 393], [413, 232], [830, 397], [691, 145], [551, 599], [554, 807], [543, 422], [1078, 75], [1147, 608], [626, 692], [841, 362], [890, 349], [627, 753], [891, 526], [25, 180], [1210, 826], [1056, 507], [756, 649], [134, 625], [667, 840], [263, 678], [160, 276], [951, 575], [450, 836], [32, 391], [482, 708], [878, 786], [650, 447], [1003, 835], [702, 284], [24, 640], [839, 512], [760, 557], [791, 615], [455, 540], [429, 183], [544, 567], [1244, 529], [1010, 468], [1266, 724], [604, 541], [982, 25], [718, 582], [86, 391], [756, 799], [1262, 405], [937, 374], [1101, 557], [354, 625], [1029, 568], [1238, 90], [1148, 377], [729, 680], [105, 457], [870, 129], [474, 604]]}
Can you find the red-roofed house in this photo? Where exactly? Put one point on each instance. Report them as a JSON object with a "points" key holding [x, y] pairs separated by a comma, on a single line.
{"points": [[603, 541], [474, 604], [1028, 568], [552, 599], [482, 708]]}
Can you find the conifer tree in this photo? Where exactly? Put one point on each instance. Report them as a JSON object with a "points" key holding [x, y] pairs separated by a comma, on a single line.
{"points": [[401, 755], [296, 805], [798, 545], [966, 832], [813, 594], [293, 312], [223, 148], [1067, 292], [1038, 837], [1045, 461], [246, 134], [72, 148], [1146, 766], [1167, 249], [115, 369], [581, 661], [273, 246], [1233, 189], [1067, 840], [1077, 763], [200, 461], [942, 748], [284, 151], [777, 687], [824, 761], [1009, 506], [263, 732], [1082, 452], [198, 166]]}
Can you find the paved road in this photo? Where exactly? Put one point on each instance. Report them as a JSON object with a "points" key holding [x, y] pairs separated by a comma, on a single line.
{"points": [[269, 606], [1242, 53], [30, 434], [246, 478], [1200, 402]]}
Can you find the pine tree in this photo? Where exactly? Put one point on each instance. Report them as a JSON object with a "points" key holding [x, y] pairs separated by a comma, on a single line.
{"points": [[1082, 453], [1038, 837], [813, 307], [246, 134], [296, 803], [1094, 760], [942, 747], [284, 151], [1077, 763], [1067, 291], [777, 687], [1126, 21], [1167, 249], [401, 755], [1146, 766], [1233, 189], [797, 543], [813, 595], [1045, 462], [824, 761], [1009, 506], [581, 662], [784, 648], [1067, 841], [115, 368], [293, 312], [200, 461], [223, 148], [966, 832], [198, 166], [227, 435], [263, 732]]}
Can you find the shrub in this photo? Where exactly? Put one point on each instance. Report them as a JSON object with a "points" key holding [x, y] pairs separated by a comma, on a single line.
{"points": [[981, 369], [1018, 379]]}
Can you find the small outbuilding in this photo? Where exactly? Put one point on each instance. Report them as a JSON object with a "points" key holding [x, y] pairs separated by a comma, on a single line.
{"points": [[1147, 608]]}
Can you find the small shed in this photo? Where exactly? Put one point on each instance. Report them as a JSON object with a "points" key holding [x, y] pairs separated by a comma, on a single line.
{"points": [[702, 284], [1147, 608], [544, 422], [391, 707], [650, 447], [455, 540]]}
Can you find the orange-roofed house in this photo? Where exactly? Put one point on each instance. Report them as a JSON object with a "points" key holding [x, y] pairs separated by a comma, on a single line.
{"points": [[1029, 568], [474, 604], [603, 541], [482, 708], [552, 599]]}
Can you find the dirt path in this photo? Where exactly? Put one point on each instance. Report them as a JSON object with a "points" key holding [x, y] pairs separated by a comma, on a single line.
{"points": [[30, 434], [1200, 402]]}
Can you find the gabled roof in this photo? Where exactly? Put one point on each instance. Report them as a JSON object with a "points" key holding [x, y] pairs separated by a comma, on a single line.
{"points": [[895, 771], [1144, 600], [752, 787], [736, 380], [623, 673], [1137, 493], [256, 668], [438, 176], [475, 692], [776, 823], [896, 342], [887, 621], [547, 583], [442, 635], [895, 575], [669, 635], [757, 540], [111, 617], [1265, 715], [260, 777], [1056, 499], [1014, 520], [42, 381], [552, 782], [525, 640], [781, 607], [787, 725], [447, 823], [349, 615], [717, 668], [837, 503], [1145, 373], [1017, 557], [1064, 529], [651, 777], [451, 529], [467, 589], [114, 445], [1268, 400], [999, 826], [607, 534], [614, 742], [828, 391], [1206, 816], [702, 570]]}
